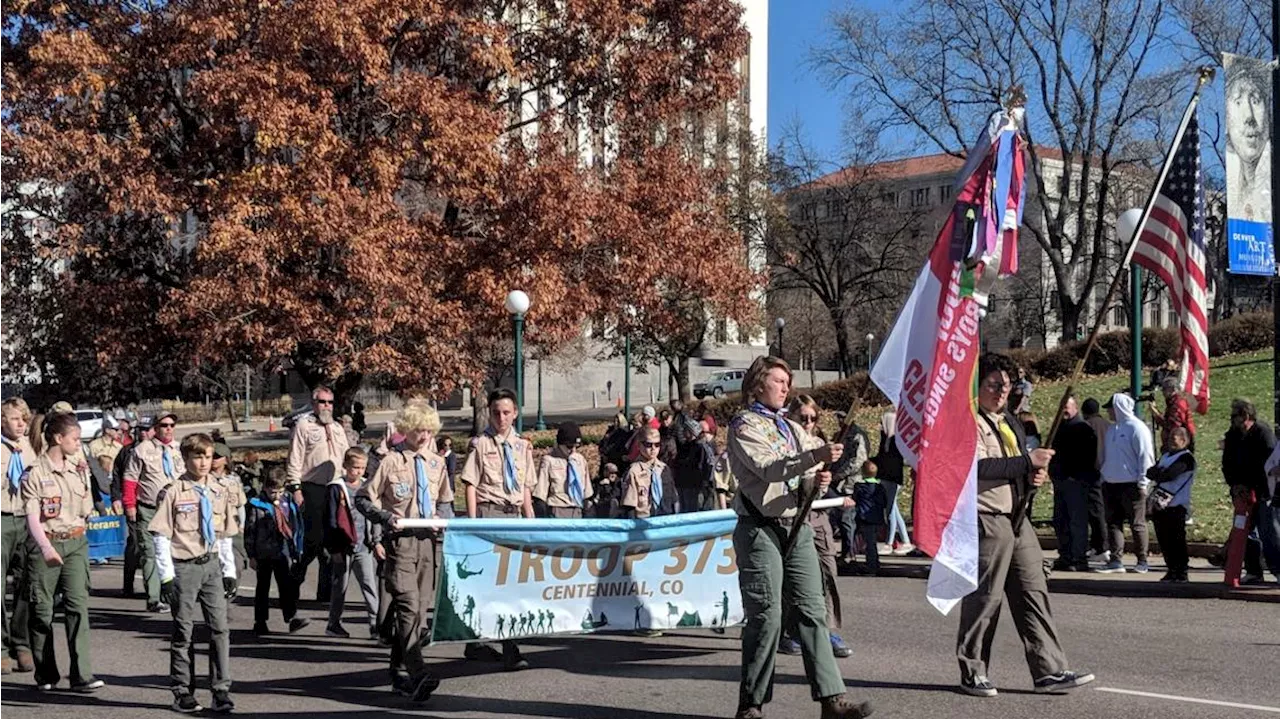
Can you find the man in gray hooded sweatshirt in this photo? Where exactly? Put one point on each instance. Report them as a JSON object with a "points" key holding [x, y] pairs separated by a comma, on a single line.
{"points": [[1129, 453]]}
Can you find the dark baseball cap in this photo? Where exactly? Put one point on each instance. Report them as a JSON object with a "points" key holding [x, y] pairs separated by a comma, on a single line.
{"points": [[166, 415], [1090, 406], [146, 422], [220, 449], [568, 433]]}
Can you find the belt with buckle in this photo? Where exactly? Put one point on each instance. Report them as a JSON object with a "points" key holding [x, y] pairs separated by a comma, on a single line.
{"points": [[76, 533], [507, 507], [202, 559]]}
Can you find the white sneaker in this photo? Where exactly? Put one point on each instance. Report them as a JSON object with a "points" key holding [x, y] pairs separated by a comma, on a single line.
{"points": [[883, 548], [904, 549]]}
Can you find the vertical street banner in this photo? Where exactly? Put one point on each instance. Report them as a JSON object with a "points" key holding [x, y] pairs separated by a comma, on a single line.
{"points": [[514, 578], [1249, 222]]}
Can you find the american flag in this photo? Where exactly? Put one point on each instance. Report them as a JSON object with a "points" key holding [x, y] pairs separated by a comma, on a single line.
{"points": [[1172, 246]]}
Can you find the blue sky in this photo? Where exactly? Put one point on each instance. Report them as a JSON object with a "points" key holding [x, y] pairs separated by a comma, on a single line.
{"points": [[796, 91]]}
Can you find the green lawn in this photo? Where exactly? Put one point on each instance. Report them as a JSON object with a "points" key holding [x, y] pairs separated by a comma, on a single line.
{"points": [[1243, 375]]}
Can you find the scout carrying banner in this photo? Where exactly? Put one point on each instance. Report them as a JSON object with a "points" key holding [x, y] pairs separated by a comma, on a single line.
{"points": [[513, 578]]}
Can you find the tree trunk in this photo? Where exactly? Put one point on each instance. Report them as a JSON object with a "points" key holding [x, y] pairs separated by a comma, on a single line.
{"points": [[842, 342], [479, 403], [1070, 313], [680, 371], [231, 414]]}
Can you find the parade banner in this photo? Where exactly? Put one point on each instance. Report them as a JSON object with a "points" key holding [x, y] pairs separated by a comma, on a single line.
{"points": [[1248, 105], [515, 578]]}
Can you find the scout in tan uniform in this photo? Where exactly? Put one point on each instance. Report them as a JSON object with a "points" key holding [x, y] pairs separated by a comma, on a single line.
{"points": [[410, 483], [155, 463], [649, 489], [57, 503], [498, 475], [770, 456], [316, 450], [231, 482], [196, 569], [17, 458], [563, 482]]}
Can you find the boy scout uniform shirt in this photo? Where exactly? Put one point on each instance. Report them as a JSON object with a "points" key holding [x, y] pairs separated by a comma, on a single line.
{"points": [[60, 498], [147, 467], [394, 487], [315, 452], [636, 489], [178, 517], [10, 498], [104, 446], [235, 500], [553, 481], [767, 469], [484, 469]]}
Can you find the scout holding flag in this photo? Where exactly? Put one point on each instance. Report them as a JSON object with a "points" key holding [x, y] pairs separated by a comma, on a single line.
{"points": [[191, 533]]}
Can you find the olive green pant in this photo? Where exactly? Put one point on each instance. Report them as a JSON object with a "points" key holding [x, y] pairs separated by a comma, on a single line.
{"points": [[410, 569], [72, 579], [765, 577], [17, 637], [146, 553], [199, 584]]}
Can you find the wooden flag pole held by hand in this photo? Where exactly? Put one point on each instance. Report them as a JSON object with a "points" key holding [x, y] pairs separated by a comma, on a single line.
{"points": [[1205, 75]]}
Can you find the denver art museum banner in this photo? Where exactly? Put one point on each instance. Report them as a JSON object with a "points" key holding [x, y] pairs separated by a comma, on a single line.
{"points": [[513, 578], [1248, 105]]}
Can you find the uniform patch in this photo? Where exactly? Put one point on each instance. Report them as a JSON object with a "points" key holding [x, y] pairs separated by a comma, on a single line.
{"points": [[48, 483], [187, 507], [50, 507], [401, 490]]}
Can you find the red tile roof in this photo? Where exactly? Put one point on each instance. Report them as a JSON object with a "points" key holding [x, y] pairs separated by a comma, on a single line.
{"points": [[937, 164]]}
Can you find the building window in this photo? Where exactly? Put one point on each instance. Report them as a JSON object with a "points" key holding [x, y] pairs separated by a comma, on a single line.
{"points": [[920, 197], [944, 193], [722, 331]]}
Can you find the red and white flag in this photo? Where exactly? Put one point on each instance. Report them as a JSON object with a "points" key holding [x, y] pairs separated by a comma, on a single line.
{"points": [[1171, 245], [927, 365]]}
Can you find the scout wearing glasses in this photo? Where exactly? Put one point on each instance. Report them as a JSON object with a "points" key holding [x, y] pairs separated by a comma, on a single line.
{"points": [[410, 483], [154, 465], [498, 475], [16, 458], [191, 534], [649, 489], [563, 482], [57, 503]]}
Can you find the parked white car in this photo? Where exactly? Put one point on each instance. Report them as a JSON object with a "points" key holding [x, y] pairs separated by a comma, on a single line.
{"points": [[720, 383], [90, 422]]}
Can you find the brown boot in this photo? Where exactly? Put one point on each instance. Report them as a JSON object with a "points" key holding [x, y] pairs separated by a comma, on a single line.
{"points": [[840, 707], [6, 665], [25, 662], [749, 713]]}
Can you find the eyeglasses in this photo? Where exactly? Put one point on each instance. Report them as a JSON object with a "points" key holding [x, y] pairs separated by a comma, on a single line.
{"points": [[324, 401], [166, 424], [807, 418], [653, 445]]}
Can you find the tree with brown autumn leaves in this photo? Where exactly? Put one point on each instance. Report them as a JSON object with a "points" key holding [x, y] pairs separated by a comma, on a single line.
{"points": [[349, 185]]}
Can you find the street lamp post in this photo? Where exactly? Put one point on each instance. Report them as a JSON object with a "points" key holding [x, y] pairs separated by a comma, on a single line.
{"points": [[1127, 226], [871, 350], [518, 304], [626, 362], [542, 421], [780, 323]]}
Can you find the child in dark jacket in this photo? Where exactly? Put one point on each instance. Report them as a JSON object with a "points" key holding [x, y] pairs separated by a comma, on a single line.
{"points": [[870, 508], [273, 541]]}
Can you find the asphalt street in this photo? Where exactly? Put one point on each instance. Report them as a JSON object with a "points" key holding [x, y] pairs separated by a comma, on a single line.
{"points": [[1190, 651]]}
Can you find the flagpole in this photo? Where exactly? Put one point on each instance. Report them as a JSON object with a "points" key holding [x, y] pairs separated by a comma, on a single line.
{"points": [[1205, 75]]}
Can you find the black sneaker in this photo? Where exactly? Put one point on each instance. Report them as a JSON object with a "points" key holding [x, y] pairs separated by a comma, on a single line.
{"points": [[158, 608], [222, 703], [482, 653], [1062, 681], [980, 686], [512, 661], [261, 630], [402, 685], [297, 624], [186, 703], [425, 686], [337, 631], [88, 687]]}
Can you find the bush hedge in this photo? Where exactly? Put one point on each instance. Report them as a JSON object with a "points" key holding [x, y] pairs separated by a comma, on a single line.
{"points": [[1242, 333]]}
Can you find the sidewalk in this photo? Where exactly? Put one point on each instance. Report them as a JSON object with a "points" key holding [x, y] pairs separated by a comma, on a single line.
{"points": [[1205, 581]]}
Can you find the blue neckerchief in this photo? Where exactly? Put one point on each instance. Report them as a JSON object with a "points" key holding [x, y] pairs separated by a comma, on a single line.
{"points": [[166, 462], [509, 469], [655, 490], [15, 469], [425, 510], [206, 516], [574, 484], [779, 419]]}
